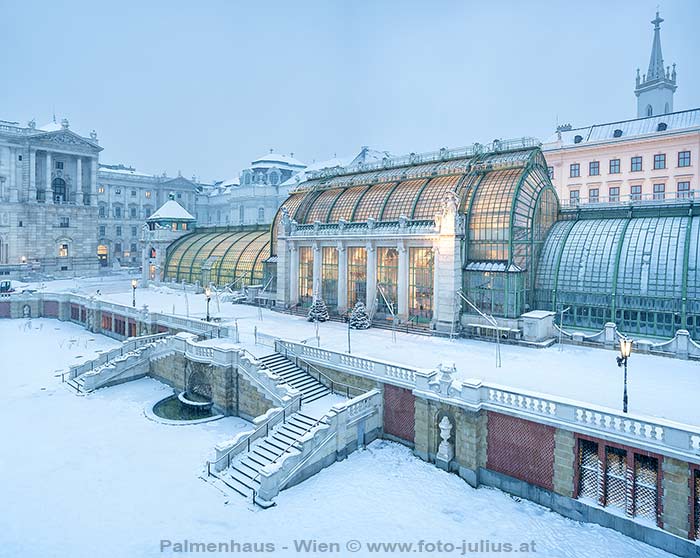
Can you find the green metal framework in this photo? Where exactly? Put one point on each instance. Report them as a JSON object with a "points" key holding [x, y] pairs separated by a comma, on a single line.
{"points": [[638, 270], [222, 256]]}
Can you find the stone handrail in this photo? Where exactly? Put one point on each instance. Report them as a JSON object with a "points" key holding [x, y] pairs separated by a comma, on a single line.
{"points": [[653, 434], [275, 476], [658, 435], [360, 366], [107, 356]]}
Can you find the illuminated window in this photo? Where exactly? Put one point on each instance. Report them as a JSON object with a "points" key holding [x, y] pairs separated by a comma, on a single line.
{"points": [[101, 190], [63, 250], [420, 283], [329, 275], [306, 275], [148, 195], [387, 280], [357, 275]]}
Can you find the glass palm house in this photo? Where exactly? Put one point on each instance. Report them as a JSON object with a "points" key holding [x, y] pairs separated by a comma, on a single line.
{"points": [[405, 235]]}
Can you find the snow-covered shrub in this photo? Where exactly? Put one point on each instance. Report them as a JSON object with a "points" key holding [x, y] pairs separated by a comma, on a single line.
{"points": [[318, 311], [359, 318]]}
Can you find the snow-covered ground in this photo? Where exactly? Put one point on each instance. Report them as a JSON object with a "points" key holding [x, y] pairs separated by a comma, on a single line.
{"points": [[92, 476], [658, 386]]}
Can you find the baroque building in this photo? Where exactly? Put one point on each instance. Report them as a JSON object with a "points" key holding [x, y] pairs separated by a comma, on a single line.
{"points": [[125, 199], [48, 186]]}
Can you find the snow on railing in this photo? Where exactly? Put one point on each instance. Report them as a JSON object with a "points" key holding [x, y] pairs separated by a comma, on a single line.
{"points": [[661, 436], [398, 374]]}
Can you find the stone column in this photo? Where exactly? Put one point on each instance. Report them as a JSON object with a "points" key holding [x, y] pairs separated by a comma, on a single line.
{"points": [[79, 178], [31, 194], [48, 176], [317, 270], [342, 278], [293, 275], [402, 287], [371, 277], [93, 181], [447, 270], [282, 271], [12, 180]]}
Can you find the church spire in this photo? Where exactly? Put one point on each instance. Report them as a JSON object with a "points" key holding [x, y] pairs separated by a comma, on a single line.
{"points": [[655, 89], [656, 62]]}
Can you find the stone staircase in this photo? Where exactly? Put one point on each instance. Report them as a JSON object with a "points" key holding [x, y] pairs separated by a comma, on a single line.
{"points": [[243, 476], [131, 363], [311, 388]]}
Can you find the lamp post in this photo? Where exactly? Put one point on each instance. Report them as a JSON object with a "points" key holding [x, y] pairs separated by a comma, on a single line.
{"points": [[625, 351], [207, 293], [134, 284], [561, 325]]}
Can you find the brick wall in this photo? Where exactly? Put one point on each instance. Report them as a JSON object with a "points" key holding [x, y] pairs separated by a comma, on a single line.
{"points": [[521, 449], [50, 309], [399, 413]]}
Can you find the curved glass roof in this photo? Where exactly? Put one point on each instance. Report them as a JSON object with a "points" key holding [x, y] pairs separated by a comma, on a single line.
{"points": [[623, 264], [222, 258], [507, 196]]}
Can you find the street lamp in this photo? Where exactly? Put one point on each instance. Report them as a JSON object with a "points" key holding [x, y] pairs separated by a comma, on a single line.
{"points": [[207, 293], [625, 351], [134, 284]]}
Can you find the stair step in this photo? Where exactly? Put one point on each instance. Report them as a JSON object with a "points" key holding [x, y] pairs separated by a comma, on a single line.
{"points": [[292, 428], [315, 391], [307, 417], [256, 451], [316, 397], [250, 475], [236, 485], [278, 447], [302, 424], [260, 448], [243, 480]]}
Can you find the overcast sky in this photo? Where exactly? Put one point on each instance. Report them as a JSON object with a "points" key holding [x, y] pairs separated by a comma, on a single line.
{"points": [[206, 86]]}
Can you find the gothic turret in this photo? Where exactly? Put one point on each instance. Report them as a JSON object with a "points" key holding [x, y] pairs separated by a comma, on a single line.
{"points": [[655, 89]]}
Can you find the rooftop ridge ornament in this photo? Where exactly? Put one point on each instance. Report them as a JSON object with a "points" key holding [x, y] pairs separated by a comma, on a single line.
{"points": [[443, 154]]}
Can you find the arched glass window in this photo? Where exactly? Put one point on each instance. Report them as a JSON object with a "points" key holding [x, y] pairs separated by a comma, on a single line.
{"points": [[667, 109], [261, 214], [274, 178], [241, 214], [650, 111], [247, 178], [59, 190]]}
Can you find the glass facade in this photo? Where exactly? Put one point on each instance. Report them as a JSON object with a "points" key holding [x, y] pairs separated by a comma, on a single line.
{"points": [[306, 275], [387, 280], [232, 257], [357, 275], [640, 272], [329, 276], [420, 283]]}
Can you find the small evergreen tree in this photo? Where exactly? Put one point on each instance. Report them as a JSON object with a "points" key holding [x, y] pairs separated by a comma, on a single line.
{"points": [[359, 318], [318, 311]]}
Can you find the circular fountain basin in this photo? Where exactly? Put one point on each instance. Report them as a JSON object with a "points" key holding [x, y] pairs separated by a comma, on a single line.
{"points": [[173, 410], [195, 401]]}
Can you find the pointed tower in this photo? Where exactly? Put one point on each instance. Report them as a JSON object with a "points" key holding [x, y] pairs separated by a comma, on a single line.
{"points": [[655, 89]]}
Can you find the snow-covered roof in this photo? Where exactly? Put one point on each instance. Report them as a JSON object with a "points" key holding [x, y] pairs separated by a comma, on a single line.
{"points": [[330, 163], [127, 171], [625, 129], [51, 127], [171, 210], [230, 182], [277, 158]]}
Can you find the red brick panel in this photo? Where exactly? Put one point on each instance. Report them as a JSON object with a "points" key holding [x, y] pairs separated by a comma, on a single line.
{"points": [[51, 309], [5, 309], [399, 412], [521, 449]]}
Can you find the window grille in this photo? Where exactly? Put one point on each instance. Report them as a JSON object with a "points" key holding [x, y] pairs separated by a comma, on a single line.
{"points": [[615, 473], [589, 470], [645, 486]]}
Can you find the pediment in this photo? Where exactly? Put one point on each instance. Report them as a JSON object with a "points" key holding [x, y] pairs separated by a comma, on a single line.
{"points": [[67, 139]]}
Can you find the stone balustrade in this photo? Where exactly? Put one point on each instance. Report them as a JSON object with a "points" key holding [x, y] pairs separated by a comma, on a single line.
{"points": [[656, 435]]}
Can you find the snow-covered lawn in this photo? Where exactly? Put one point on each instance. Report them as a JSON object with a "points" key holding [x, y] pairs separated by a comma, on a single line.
{"points": [[658, 386], [92, 476]]}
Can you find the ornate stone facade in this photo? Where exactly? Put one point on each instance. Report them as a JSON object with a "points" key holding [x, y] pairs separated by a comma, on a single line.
{"points": [[48, 207]]}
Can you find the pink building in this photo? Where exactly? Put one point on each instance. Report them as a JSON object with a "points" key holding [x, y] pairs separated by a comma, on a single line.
{"points": [[653, 157]]}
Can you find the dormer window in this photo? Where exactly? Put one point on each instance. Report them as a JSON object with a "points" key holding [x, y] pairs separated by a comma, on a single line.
{"points": [[661, 127], [578, 139]]}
